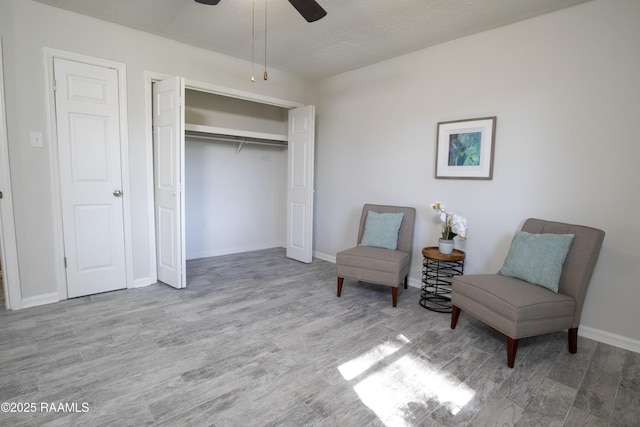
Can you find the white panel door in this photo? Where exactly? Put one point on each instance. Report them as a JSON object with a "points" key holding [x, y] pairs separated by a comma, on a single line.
{"points": [[88, 126], [168, 162], [8, 247], [300, 183]]}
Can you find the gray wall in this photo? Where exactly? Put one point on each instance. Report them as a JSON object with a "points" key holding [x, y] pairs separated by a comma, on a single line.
{"points": [[565, 89], [29, 27]]}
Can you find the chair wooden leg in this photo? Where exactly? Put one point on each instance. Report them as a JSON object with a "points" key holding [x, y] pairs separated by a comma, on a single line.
{"points": [[512, 348], [573, 340], [406, 281], [455, 313], [340, 280], [394, 296]]}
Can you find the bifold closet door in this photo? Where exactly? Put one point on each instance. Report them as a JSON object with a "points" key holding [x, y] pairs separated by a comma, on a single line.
{"points": [[168, 162], [301, 137]]}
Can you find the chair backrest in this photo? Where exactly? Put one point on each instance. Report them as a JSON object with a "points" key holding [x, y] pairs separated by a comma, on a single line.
{"points": [[405, 234], [581, 259]]}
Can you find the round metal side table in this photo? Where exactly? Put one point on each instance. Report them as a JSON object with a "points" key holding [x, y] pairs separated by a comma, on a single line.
{"points": [[438, 269]]}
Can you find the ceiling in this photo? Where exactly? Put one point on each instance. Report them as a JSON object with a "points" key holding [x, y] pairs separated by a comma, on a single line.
{"points": [[354, 33]]}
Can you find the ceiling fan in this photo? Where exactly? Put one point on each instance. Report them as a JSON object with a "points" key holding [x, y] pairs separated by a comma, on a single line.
{"points": [[309, 9]]}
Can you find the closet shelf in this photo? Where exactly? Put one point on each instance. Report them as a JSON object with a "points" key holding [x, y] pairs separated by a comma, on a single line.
{"points": [[235, 135]]}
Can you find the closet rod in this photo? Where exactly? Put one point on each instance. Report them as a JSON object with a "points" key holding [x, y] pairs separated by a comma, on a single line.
{"points": [[241, 140]]}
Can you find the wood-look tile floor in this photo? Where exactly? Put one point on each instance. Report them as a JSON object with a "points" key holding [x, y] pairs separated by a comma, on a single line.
{"points": [[257, 339]]}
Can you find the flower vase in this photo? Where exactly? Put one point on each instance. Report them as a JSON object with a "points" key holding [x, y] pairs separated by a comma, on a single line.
{"points": [[445, 246]]}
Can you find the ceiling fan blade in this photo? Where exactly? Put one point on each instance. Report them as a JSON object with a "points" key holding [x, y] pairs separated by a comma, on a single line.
{"points": [[309, 9]]}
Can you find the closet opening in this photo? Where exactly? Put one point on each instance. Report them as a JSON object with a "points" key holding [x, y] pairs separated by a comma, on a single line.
{"points": [[232, 172], [235, 175]]}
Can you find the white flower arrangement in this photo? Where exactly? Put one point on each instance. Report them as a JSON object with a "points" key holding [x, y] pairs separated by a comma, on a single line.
{"points": [[454, 225]]}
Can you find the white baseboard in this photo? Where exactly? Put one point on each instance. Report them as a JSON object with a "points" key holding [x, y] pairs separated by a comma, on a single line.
{"points": [[609, 338], [229, 251], [142, 282], [415, 283], [324, 257], [40, 300]]}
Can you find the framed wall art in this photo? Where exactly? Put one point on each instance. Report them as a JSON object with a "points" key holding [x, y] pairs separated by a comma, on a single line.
{"points": [[464, 149]]}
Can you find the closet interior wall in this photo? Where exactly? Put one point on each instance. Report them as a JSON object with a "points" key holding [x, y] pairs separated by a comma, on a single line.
{"points": [[235, 200]]}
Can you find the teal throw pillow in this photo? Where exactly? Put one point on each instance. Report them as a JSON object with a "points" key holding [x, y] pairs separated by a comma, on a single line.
{"points": [[537, 258], [381, 230]]}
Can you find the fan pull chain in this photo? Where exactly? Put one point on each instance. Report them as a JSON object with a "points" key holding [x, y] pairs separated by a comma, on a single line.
{"points": [[265, 76], [253, 40]]}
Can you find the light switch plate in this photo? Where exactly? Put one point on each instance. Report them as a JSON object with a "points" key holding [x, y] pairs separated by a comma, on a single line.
{"points": [[36, 139]]}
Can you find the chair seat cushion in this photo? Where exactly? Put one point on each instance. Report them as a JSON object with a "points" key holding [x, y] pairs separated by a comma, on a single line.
{"points": [[514, 307], [373, 265]]}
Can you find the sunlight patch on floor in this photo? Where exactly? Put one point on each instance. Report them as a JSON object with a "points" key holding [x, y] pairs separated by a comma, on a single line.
{"points": [[366, 361], [400, 387]]}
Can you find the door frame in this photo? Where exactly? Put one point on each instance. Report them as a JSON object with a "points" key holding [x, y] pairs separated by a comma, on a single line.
{"points": [[8, 245], [50, 54], [149, 78]]}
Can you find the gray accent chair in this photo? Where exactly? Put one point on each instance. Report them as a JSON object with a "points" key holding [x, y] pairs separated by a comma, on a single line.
{"points": [[519, 309], [378, 265]]}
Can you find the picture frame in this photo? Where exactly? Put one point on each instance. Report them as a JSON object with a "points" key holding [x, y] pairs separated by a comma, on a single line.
{"points": [[464, 148]]}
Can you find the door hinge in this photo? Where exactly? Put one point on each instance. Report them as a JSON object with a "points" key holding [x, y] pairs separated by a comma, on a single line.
{"points": [[1, 195], [55, 85], [65, 262]]}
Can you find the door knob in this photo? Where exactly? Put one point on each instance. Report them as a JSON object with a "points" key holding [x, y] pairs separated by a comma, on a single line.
{"points": [[117, 193]]}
